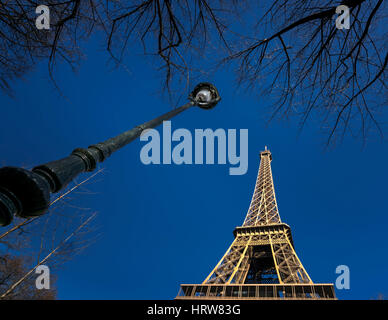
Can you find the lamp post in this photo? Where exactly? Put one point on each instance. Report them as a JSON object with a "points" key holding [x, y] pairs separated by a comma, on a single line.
{"points": [[27, 193]]}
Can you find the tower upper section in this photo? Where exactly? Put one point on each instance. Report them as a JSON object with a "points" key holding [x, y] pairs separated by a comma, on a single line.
{"points": [[263, 209], [266, 152]]}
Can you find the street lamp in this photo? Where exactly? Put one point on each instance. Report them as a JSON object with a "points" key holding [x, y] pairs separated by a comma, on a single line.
{"points": [[27, 193]]}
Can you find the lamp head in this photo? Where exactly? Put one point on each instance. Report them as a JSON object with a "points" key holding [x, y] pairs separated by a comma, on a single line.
{"points": [[205, 95]]}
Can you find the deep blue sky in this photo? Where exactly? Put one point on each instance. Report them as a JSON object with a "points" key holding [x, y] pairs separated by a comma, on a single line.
{"points": [[162, 225]]}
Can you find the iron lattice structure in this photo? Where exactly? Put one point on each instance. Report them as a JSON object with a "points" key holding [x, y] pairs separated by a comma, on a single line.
{"points": [[261, 262]]}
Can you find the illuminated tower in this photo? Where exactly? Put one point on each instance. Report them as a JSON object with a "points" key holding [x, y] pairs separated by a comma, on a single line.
{"points": [[261, 262]]}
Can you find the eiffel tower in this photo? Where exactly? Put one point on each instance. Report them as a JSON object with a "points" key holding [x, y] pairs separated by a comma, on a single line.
{"points": [[261, 262]]}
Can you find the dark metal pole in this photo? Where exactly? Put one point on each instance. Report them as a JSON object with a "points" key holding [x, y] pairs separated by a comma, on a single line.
{"points": [[60, 172], [27, 193]]}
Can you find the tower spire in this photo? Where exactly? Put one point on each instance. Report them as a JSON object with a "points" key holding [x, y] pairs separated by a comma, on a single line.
{"points": [[263, 209]]}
